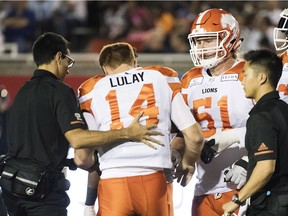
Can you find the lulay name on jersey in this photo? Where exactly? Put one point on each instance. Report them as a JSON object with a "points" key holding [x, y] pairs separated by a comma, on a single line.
{"points": [[127, 80]]}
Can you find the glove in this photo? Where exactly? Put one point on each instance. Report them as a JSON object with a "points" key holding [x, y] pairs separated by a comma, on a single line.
{"points": [[170, 173], [237, 173], [208, 153], [89, 210]]}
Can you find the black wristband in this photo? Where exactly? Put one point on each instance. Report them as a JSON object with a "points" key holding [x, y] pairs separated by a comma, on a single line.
{"points": [[91, 196], [242, 163], [236, 200]]}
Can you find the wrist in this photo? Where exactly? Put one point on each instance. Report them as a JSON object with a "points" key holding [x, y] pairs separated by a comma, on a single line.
{"points": [[235, 199]]}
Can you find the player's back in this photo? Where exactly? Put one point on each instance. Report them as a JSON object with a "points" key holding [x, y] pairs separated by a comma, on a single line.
{"points": [[116, 99]]}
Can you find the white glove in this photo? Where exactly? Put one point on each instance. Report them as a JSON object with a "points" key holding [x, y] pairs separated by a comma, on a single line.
{"points": [[237, 173], [89, 210]]}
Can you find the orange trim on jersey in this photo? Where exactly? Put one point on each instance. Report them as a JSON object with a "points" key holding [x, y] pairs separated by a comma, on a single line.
{"points": [[283, 88], [284, 57], [163, 70], [86, 106], [238, 68], [85, 88], [264, 152], [168, 72], [176, 88], [89, 84], [191, 74], [185, 96]]}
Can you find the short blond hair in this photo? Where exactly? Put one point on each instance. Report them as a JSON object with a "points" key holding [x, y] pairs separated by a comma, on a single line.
{"points": [[115, 54]]}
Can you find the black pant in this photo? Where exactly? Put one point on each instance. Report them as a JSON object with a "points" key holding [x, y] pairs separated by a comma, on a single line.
{"points": [[3, 210], [54, 204], [272, 205]]}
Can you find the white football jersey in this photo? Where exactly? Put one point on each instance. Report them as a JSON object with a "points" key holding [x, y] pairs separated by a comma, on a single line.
{"points": [[115, 100], [218, 103], [283, 82]]}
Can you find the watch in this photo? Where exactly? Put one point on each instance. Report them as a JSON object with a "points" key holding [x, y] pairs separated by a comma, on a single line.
{"points": [[236, 200]]}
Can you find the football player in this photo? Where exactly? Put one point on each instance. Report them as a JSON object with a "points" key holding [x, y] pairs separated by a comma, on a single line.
{"points": [[214, 94]]}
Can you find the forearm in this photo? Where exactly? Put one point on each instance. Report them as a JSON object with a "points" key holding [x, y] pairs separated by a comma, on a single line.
{"points": [[194, 141], [79, 138], [258, 179]]}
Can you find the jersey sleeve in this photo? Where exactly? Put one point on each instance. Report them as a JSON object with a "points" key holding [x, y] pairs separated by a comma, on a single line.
{"points": [[195, 74], [68, 112], [264, 133], [181, 115], [85, 93]]}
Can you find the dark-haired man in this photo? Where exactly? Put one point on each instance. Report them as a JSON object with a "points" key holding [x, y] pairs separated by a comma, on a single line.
{"points": [[266, 139], [43, 121]]}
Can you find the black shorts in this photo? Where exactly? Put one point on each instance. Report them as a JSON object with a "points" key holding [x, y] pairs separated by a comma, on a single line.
{"points": [[54, 204]]}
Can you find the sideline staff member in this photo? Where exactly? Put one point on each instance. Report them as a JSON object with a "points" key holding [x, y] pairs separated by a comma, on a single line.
{"points": [[44, 120], [266, 139]]}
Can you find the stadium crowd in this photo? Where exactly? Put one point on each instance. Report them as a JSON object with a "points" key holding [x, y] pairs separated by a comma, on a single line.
{"points": [[151, 26]]}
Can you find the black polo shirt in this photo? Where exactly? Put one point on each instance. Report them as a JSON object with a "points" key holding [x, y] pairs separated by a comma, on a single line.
{"points": [[43, 110], [267, 138]]}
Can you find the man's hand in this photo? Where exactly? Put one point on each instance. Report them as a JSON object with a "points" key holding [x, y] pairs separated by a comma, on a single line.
{"points": [[184, 173], [208, 153], [237, 173], [170, 173], [229, 208], [142, 133]]}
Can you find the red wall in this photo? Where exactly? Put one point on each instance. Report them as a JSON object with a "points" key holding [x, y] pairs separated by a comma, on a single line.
{"points": [[13, 83]]}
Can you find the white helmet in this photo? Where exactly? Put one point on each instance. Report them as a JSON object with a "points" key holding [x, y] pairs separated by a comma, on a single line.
{"points": [[213, 23], [281, 32]]}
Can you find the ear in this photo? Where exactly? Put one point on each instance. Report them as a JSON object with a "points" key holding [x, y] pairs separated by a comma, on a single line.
{"points": [[262, 78], [135, 63], [58, 58], [104, 69]]}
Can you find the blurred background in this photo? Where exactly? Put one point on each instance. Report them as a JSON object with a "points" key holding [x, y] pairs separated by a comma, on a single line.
{"points": [[158, 29]]}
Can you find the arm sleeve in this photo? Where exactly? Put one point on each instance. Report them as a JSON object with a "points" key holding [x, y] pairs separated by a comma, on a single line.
{"points": [[264, 146], [181, 115], [68, 112]]}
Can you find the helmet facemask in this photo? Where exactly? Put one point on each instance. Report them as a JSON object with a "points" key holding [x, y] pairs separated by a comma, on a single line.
{"points": [[208, 57], [281, 32]]}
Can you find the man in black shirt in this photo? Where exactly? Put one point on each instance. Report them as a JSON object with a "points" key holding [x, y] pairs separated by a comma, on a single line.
{"points": [[43, 121], [266, 139]]}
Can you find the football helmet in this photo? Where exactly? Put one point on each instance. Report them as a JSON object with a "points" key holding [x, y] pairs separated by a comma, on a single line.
{"points": [[281, 32], [215, 24]]}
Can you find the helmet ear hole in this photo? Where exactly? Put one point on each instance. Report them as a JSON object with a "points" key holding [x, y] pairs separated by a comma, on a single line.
{"points": [[281, 23]]}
